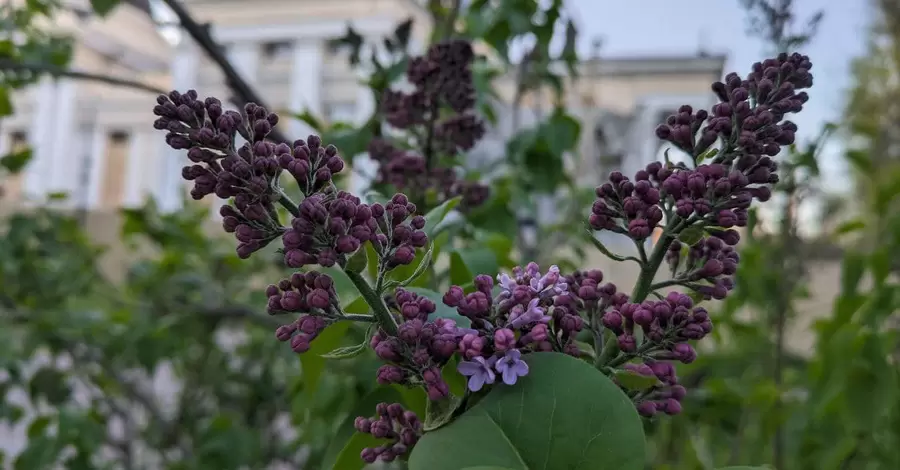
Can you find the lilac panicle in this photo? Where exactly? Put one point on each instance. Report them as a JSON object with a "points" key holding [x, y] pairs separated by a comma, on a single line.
{"points": [[442, 107], [421, 347], [400, 427], [712, 195], [748, 123]]}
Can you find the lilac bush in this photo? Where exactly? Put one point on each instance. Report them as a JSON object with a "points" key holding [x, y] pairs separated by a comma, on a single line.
{"points": [[503, 322]]}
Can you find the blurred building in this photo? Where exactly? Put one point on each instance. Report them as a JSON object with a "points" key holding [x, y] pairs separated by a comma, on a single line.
{"points": [[96, 142], [92, 140]]}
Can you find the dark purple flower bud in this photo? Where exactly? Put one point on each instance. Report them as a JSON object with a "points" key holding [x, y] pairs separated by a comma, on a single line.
{"points": [[389, 374]]}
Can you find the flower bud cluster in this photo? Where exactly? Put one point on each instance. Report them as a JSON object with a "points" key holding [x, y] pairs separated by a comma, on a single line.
{"points": [[329, 228], [247, 173], [407, 171], [441, 107], [663, 398], [713, 197], [667, 326], [711, 259], [310, 294], [421, 347], [310, 163], [401, 427]]}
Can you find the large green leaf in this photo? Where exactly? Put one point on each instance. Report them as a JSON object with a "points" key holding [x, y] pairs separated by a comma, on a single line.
{"points": [[563, 415], [466, 263]]}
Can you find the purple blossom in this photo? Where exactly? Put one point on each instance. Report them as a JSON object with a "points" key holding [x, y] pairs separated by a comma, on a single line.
{"points": [[511, 366], [479, 371], [521, 316]]}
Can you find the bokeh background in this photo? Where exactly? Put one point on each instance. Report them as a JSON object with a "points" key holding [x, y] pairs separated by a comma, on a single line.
{"points": [[131, 335]]}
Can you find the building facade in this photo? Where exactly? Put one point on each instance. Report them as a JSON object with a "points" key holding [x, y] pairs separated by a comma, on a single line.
{"points": [[96, 142]]}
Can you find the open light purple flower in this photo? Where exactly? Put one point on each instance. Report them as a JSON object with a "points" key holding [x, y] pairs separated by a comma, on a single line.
{"points": [[479, 371], [520, 317], [511, 366]]}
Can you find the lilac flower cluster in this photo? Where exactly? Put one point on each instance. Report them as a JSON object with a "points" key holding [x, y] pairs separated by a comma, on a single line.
{"points": [[401, 427], [440, 108], [714, 196], [710, 198], [327, 227], [421, 347], [331, 227], [312, 295], [531, 312], [248, 173]]}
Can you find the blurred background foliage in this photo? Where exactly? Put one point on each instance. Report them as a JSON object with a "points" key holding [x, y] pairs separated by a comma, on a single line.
{"points": [[82, 354]]}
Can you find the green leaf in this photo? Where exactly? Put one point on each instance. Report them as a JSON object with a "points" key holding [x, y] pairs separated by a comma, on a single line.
{"points": [[602, 248], [38, 426], [438, 214], [487, 468], [312, 121], [16, 161], [850, 226], [691, 235], [6, 106], [440, 413], [466, 263], [742, 468], [709, 154], [347, 352], [442, 311], [426, 260], [358, 262], [634, 381], [346, 445], [103, 7], [852, 270], [563, 414], [561, 131], [312, 362]]}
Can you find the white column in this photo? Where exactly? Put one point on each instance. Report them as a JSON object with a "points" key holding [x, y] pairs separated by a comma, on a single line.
{"points": [[4, 140], [363, 166], [136, 178], [41, 139], [63, 174], [170, 192], [97, 166], [306, 85]]}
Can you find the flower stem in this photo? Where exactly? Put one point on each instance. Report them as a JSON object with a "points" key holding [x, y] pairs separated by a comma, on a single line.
{"points": [[359, 318], [644, 284], [288, 204], [384, 318]]}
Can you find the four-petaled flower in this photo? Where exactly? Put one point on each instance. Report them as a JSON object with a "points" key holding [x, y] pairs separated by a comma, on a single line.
{"points": [[479, 371], [511, 367], [520, 317]]}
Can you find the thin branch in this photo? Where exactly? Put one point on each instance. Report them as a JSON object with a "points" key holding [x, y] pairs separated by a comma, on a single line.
{"points": [[17, 66], [243, 93]]}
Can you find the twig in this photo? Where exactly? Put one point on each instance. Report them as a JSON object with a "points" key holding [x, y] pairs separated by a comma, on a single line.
{"points": [[13, 65], [243, 93]]}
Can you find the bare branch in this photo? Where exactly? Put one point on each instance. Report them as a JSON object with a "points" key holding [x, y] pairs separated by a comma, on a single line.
{"points": [[243, 92], [17, 66]]}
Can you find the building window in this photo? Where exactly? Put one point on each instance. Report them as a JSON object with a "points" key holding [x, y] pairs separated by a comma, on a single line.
{"points": [[340, 112], [277, 50], [115, 168]]}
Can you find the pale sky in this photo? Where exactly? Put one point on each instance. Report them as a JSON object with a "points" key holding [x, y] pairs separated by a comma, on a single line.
{"points": [[630, 27]]}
